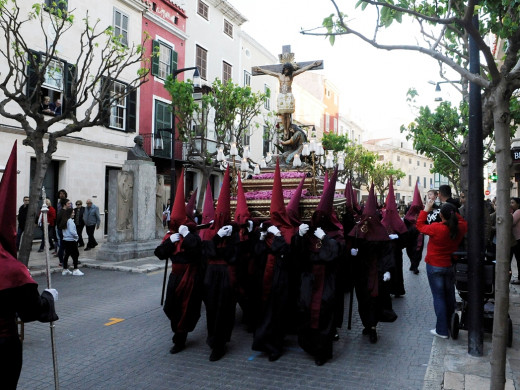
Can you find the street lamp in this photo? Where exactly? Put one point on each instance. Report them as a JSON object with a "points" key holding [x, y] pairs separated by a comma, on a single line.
{"points": [[196, 84]]}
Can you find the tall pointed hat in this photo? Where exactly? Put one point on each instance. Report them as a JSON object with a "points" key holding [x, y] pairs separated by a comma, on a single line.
{"points": [[416, 207], [293, 207], [190, 206], [223, 210], [178, 213], [278, 213], [13, 273], [327, 197], [242, 213], [325, 181], [369, 227], [391, 220], [325, 216], [348, 195], [208, 212]]}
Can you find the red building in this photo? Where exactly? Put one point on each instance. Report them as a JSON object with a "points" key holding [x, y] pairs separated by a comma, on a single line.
{"points": [[165, 22]]}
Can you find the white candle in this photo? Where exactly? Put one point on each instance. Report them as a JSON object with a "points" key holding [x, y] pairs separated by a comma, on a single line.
{"points": [[305, 150], [296, 160], [234, 150], [257, 170]]}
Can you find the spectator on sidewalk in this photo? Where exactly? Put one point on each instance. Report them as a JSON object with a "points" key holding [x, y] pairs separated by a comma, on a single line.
{"points": [[22, 216], [61, 224], [92, 221], [51, 220], [78, 220], [70, 242]]}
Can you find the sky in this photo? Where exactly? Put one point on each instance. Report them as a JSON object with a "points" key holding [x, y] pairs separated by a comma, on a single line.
{"points": [[373, 82]]}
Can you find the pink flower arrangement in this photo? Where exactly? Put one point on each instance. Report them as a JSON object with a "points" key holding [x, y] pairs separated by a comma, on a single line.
{"points": [[287, 194], [283, 175]]}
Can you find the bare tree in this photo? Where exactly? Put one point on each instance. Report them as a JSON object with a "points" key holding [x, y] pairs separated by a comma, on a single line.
{"points": [[88, 95]]}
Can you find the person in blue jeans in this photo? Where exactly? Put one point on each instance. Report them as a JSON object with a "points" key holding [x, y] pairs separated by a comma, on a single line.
{"points": [[445, 237]]}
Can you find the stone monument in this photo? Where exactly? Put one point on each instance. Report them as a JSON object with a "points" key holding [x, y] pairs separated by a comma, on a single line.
{"points": [[131, 208]]}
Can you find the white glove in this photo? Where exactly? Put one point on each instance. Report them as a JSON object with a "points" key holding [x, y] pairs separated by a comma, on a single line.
{"points": [[304, 228], [262, 235], [319, 233], [354, 251], [53, 292], [211, 222], [386, 276], [393, 236], [175, 237], [183, 230], [273, 230], [225, 231], [249, 226]]}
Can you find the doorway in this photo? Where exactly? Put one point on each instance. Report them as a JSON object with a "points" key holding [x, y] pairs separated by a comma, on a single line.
{"points": [[50, 183], [107, 176]]}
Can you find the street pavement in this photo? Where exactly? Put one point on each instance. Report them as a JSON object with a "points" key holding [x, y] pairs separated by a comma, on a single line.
{"points": [[113, 334]]}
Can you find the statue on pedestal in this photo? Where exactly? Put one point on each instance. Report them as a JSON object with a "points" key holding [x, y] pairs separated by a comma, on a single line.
{"points": [[137, 152]]}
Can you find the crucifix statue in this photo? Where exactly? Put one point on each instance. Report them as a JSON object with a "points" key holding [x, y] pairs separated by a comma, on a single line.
{"points": [[285, 72]]}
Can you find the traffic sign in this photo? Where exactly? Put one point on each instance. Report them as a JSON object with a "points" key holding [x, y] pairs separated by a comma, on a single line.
{"points": [[487, 192]]}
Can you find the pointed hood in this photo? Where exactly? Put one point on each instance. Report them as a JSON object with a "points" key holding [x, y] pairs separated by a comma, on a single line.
{"points": [[190, 206], [325, 216], [278, 213], [325, 180], [223, 210], [369, 227], [293, 208], [242, 213], [12, 272], [416, 207], [208, 213], [391, 220], [178, 214], [348, 195]]}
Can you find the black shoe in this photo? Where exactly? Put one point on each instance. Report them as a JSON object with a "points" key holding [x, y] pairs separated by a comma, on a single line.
{"points": [[397, 295], [88, 248], [274, 356], [217, 354], [40, 250], [80, 245], [366, 331], [320, 361], [416, 271], [177, 348], [373, 336], [79, 262], [335, 337]]}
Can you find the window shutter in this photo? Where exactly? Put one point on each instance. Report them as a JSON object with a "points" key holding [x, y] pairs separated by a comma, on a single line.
{"points": [[131, 111], [173, 60], [32, 81], [155, 58], [105, 102], [67, 98]]}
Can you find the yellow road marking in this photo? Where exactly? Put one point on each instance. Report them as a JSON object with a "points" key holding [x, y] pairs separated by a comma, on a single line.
{"points": [[114, 321]]}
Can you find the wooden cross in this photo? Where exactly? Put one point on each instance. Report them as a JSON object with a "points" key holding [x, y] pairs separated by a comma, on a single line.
{"points": [[286, 56]]}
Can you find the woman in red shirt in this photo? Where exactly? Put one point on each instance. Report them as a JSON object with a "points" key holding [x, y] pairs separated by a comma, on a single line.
{"points": [[445, 238]]}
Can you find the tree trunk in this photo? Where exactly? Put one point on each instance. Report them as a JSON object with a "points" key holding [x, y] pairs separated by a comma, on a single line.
{"points": [[202, 193], [503, 231], [464, 168], [42, 162]]}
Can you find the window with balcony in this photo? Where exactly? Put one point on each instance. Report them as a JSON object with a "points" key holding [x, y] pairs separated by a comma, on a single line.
{"points": [[265, 148], [202, 62], [267, 101], [121, 104], [247, 79], [246, 137], [165, 62], [203, 10], [162, 126], [121, 26]]}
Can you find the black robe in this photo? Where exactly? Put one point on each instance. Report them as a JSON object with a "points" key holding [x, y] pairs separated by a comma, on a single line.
{"points": [[30, 306], [414, 245], [220, 288], [317, 302], [397, 281], [273, 293], [184, 292]]}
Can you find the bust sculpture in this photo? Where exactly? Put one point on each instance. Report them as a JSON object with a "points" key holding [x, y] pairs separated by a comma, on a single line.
{"points": [[137, 152]]}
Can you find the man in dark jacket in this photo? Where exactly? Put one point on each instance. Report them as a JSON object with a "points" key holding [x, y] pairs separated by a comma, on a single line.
{"points": [[92, 221], [22, 216], [79, 222]]}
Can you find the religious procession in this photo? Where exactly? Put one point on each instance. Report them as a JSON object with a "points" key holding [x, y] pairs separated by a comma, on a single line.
{"points": [[291, 276]]}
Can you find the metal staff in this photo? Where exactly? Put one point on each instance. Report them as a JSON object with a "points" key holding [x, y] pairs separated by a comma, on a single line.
{"points": [[45, 224]]}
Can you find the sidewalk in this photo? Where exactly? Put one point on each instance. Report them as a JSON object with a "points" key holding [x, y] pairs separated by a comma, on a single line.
{"points": [[88, 260], [452, 368]]}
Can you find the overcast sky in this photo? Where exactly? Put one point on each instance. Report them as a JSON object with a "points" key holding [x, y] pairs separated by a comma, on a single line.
{"points": [[373, 82]]}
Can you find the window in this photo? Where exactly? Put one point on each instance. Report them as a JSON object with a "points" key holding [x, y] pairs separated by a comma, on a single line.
{"points": [[265, 148], [267, 101], [380, 157], [431, 166], [121, 103], [56, 6], [246, 137], [418, 163], [202, 62], [203, 10], [425, 164], [163, 117], [418, 179], [121, 26], [58, 78], [424, 182], [409, 161], [226, 72], [398, 158], [431, 182], [165, 62], [327, 123], [409, 180], [228, 28], [247, 78]]}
